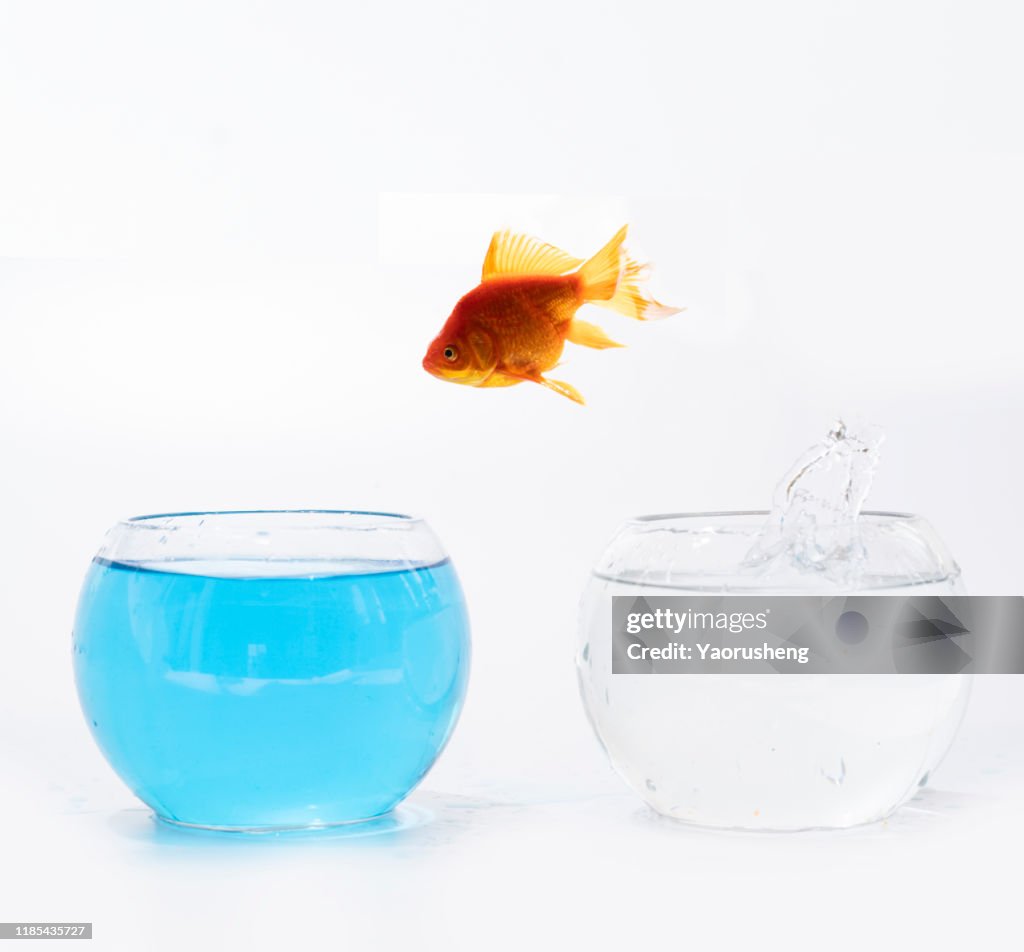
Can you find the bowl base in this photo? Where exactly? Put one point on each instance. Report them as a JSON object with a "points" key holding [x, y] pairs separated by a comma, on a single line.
{"points": [[383, 822], [740, 827]]}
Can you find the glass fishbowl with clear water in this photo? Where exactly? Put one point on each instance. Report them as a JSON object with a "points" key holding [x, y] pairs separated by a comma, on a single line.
{"points": [[779, 751], [257, 671]]}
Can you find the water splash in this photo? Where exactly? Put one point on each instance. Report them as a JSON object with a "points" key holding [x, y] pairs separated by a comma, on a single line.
{"points": [[813, 526]]}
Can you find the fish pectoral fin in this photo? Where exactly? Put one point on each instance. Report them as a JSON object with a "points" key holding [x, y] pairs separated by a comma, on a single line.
{"points": [[512, 253], [559, 386], [565, 389], [589, 335]]}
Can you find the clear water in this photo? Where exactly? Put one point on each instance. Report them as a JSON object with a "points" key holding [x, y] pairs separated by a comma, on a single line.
{"points": [[768, 752], [775, 752], [270, 695]]}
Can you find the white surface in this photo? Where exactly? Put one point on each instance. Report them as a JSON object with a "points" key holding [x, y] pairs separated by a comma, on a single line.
{"points": [[227, 234], [515, 849]]}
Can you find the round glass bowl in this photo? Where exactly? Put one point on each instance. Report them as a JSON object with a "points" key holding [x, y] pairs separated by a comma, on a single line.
{"points": [[256, 671], [756, 751]]}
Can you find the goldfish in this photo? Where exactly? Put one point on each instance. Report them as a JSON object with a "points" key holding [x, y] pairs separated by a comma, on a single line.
{"points": [[512, 327]]}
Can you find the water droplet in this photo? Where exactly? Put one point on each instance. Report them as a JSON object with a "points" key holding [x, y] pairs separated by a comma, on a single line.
{"points": [[650, 785], [924, 779], [838, 776], [586, 651]]}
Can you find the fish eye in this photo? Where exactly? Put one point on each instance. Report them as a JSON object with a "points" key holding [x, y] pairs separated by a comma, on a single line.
{"points": [[449, 353]]}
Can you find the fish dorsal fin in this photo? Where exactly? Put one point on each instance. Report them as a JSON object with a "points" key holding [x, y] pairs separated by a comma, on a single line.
{"points": [[512, 253]]}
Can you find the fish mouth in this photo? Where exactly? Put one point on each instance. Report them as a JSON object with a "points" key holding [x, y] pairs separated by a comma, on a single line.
{"points": [[431, 367], [436, 365], [448, 375]]}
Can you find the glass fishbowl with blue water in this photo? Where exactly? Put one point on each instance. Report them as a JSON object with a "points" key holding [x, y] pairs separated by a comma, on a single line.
{"points": [[260, 671]]}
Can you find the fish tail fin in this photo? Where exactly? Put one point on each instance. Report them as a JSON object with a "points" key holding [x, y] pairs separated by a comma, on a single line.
{"points": [[614, 280], [600, 275]]}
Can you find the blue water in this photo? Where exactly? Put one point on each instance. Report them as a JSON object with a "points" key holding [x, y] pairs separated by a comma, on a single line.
{"points": [[261, 702]]}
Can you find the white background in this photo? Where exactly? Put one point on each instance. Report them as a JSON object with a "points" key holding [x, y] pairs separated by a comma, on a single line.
{"points": [[228, 232]]}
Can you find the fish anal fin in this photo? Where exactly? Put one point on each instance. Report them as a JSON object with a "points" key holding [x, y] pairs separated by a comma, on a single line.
{"points": [[589, 335], [514, 253]]}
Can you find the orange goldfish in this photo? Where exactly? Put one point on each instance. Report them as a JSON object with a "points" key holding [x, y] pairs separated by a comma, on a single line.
{"points": [[513, 326]]}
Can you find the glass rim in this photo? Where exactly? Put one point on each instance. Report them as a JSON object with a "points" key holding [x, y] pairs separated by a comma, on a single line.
{"points": [[873, 515], [222, 540], [385, 517], [709, 548]]}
